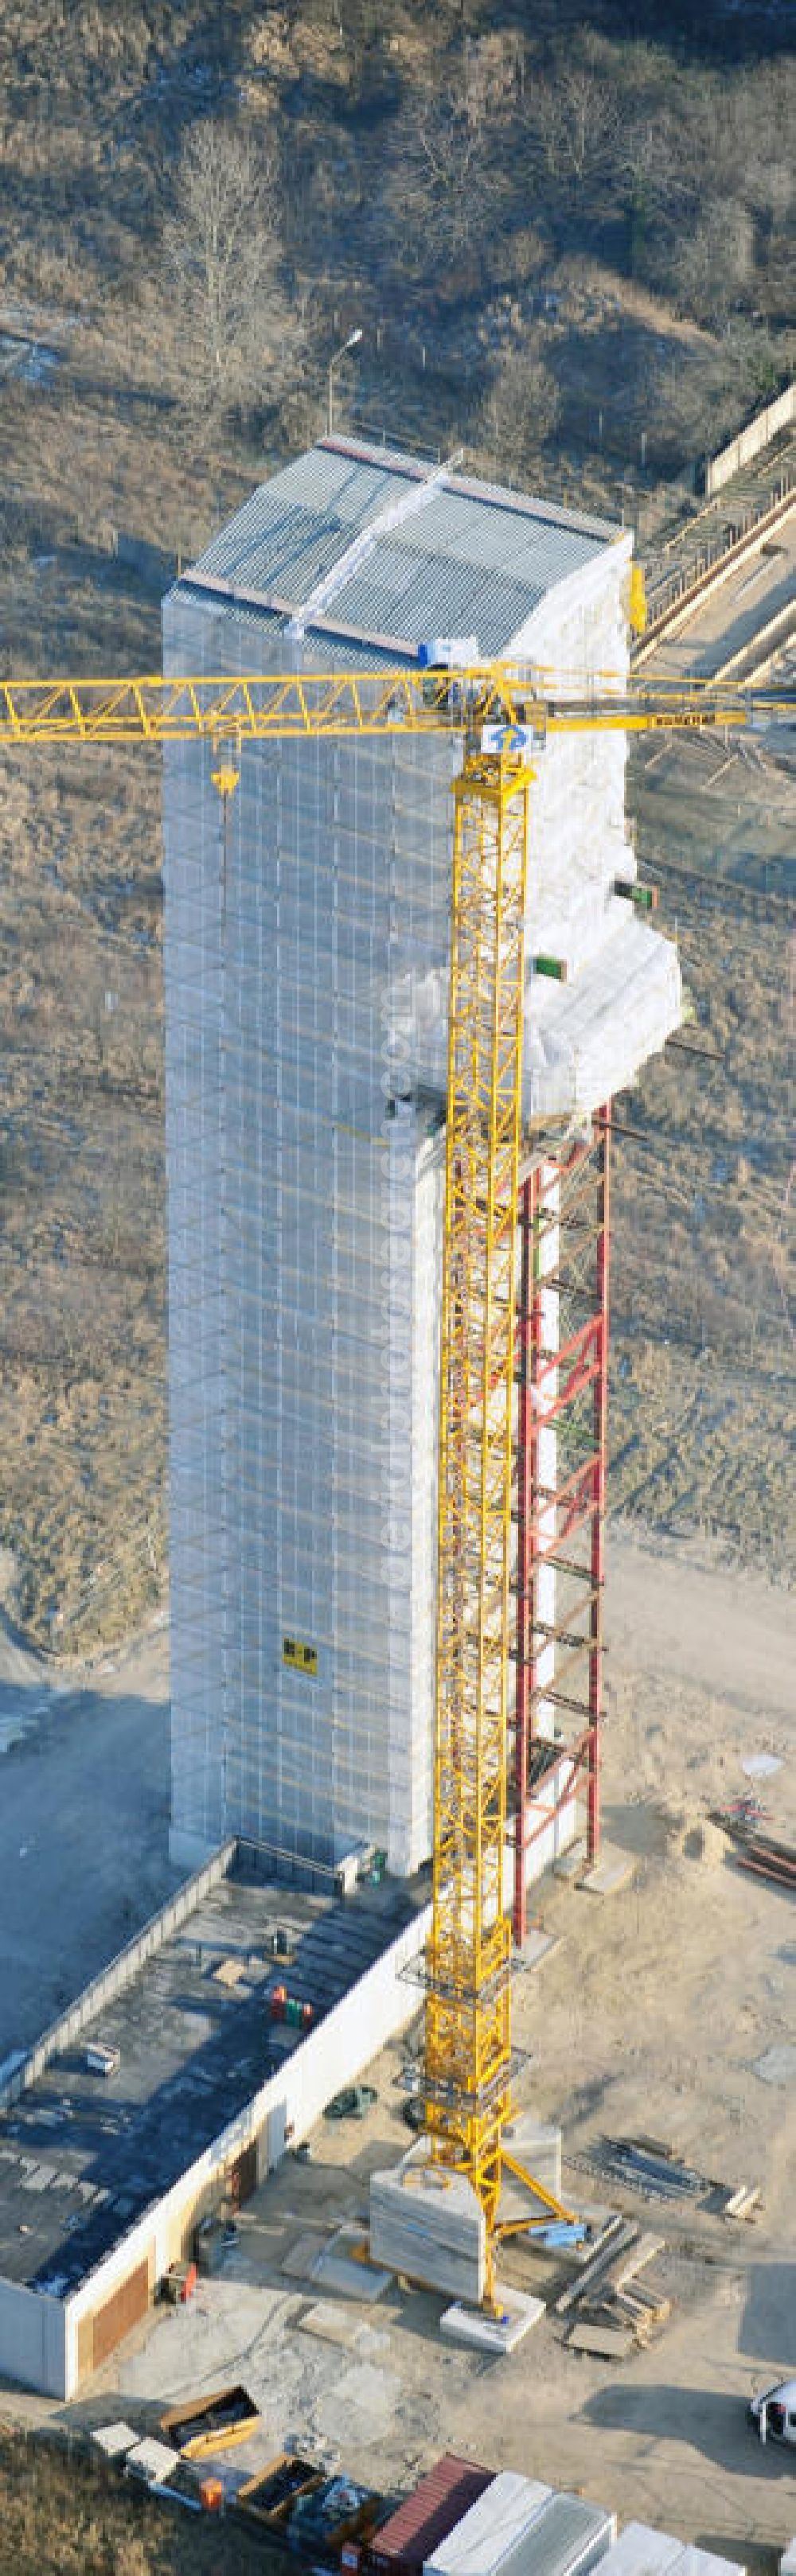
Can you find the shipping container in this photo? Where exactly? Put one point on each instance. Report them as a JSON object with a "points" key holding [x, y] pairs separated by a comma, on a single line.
{"points": [[496, 2522], [419, 2526], [570, 2537], [525, 2528], [643, 2552]]}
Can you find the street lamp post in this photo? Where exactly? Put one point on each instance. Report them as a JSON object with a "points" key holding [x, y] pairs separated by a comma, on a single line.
{"points": [[352, 342]]}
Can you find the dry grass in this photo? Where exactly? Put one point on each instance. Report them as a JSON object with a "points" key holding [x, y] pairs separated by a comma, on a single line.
{"points": [[704, 1306], [82, 1263], [107, 444], [64, 2514]]}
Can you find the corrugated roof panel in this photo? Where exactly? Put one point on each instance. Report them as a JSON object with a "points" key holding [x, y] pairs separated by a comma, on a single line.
{"points": [[640, 2551], [466, 531], [469, 560], [352, 488], [287, 553], [553, 554], [438, 598], [322, 650], [569, 2539], [478, 532]]}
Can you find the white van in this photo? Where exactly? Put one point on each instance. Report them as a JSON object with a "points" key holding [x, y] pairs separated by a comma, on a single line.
{"points": [[774, 2414]]}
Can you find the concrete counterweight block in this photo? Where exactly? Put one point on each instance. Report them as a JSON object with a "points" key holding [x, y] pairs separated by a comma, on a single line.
{"points": [[429, 2224]]}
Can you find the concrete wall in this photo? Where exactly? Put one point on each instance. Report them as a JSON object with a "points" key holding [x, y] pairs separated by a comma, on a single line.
{"points": [[720, 568], [285, 2109], [749, 441], [39, 2334], [117, 1976], [279, 2116], [33, 2336]]}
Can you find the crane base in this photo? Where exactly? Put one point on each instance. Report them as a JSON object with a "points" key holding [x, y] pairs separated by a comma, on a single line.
{"points": [[515, 2314]]}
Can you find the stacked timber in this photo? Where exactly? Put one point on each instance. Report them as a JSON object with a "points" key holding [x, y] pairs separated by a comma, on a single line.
{"points": [[612, 2310]]}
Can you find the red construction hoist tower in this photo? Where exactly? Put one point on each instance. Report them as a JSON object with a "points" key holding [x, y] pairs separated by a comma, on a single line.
{"points": [[562, 1341]]}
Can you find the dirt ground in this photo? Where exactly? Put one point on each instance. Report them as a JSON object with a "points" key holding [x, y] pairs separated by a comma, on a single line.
{"points": [[653, 2012], [84, 1809]]}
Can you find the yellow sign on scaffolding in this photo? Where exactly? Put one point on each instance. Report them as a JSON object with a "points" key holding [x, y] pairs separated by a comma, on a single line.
{"points": [[304, 1659]]}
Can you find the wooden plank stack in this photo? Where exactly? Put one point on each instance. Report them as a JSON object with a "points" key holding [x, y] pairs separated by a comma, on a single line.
{"points": [[614, 2310]]}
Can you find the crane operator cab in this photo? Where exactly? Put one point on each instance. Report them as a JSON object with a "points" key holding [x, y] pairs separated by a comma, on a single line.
{"points": [[774, 2414]]}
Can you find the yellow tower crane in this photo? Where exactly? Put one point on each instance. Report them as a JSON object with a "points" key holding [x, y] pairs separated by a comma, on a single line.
{"points": [[502, 715]]}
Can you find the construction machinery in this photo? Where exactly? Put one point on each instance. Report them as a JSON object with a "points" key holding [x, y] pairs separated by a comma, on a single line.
{"points": [[503, 716]]}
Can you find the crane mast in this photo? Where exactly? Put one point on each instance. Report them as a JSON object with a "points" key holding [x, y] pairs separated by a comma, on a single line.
{"points": [[467, 2022], [467, 2030]]}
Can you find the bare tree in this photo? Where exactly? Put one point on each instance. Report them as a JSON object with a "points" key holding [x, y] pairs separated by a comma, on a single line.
{"points": [[521, 408], [237, 334], [493, 73], [576, 119], [449, 151], [716, 261]]}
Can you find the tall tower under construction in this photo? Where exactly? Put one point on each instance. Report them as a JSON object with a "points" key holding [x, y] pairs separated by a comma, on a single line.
{"points": [[307, 943]]}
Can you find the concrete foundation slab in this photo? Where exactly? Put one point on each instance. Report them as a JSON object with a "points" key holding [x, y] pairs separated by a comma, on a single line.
{"points": [[614, 1869], [301, 2258], [429, 2225], [536, 1946], [332, 2325], [152, 2461], [344, 2266], [518, 2313], [570, 1863], [605, 2343]]}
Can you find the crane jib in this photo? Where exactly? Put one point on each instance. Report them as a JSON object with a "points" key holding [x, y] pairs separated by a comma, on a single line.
{"points": [[496, 708]]}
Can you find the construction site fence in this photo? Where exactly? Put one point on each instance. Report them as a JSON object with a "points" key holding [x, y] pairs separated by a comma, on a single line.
{"points": [[672, 603], [759, 432]]}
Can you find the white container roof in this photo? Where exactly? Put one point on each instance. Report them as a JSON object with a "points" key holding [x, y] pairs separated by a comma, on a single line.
{"points": [[569, 2538], [640, 2551], [525, 2528], [490, 2531]]}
